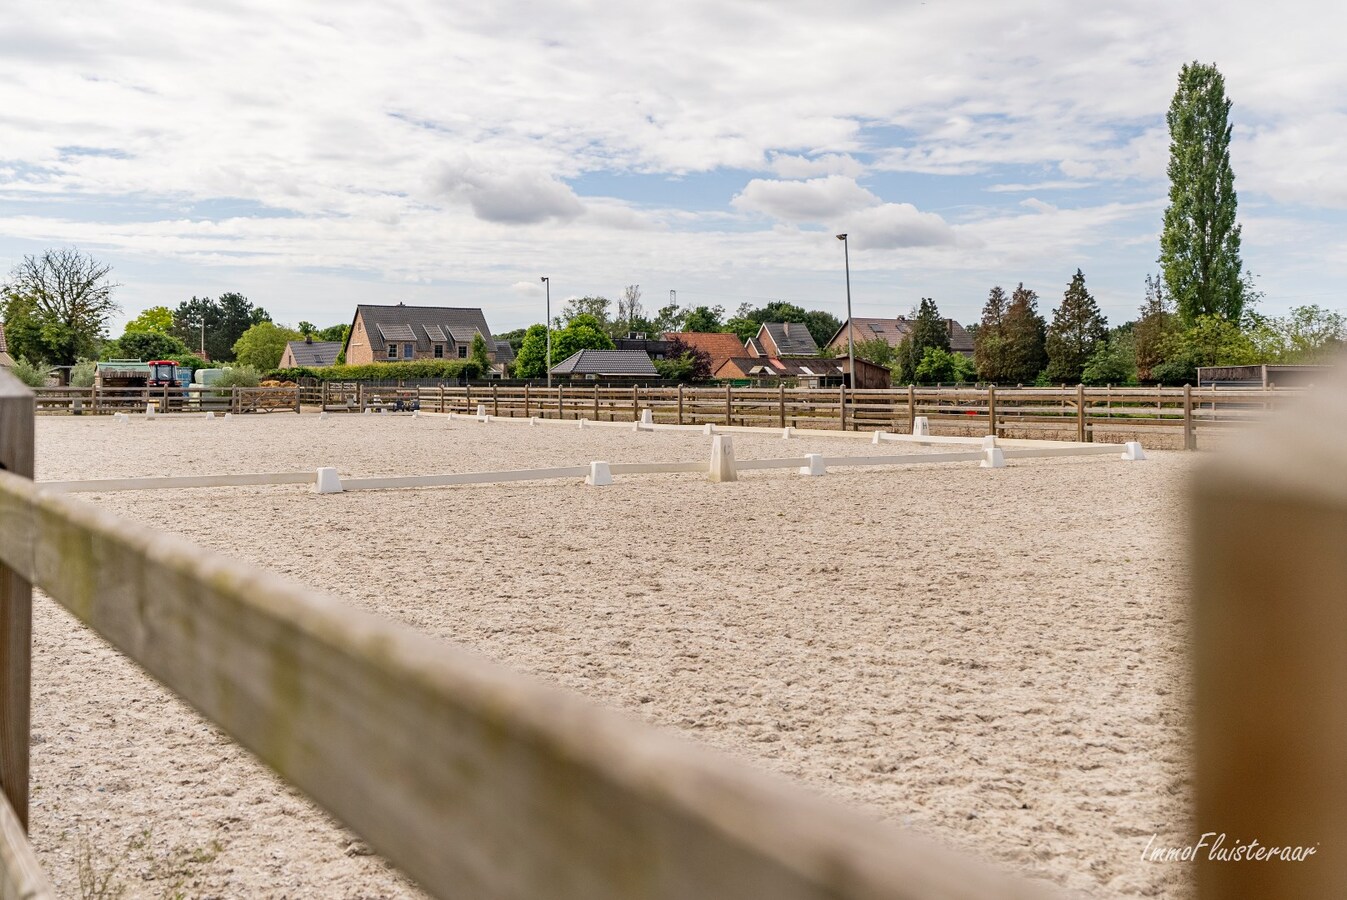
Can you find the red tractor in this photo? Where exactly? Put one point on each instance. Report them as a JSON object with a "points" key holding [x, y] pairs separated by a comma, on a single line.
{"points": [[163, 373]]}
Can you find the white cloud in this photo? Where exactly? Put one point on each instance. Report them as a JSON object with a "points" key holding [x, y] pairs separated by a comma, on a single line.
{"points": [[815, 200], [893, 225], [509, 197], [789, 165]]}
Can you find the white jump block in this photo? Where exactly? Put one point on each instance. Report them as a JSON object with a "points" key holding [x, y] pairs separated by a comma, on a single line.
{"points": [[921, 426], [1132, 451], [581, 424], [600, 475], [709, 429], [813, 466], [149, 410], [635, 426], [210, 417], [647, 417], [368, 411], [228, 416], [322, 416], [988, 442], [995, 459], [722, 458], [121, 418], [481, 412], [533, 420], [328, 482], [416, 414], [878, 438], [787, 433]]}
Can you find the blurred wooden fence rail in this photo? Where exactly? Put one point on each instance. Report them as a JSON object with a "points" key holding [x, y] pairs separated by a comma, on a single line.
{"points": [[476, 781], [1072, 414]]}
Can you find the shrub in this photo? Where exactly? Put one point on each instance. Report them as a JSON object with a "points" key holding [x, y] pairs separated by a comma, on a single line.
{"points": [[238, 376], [442, 369], [82, 375], [29, 374]]}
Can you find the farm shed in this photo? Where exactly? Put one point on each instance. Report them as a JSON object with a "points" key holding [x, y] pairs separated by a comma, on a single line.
{"points": [[606, 364]]}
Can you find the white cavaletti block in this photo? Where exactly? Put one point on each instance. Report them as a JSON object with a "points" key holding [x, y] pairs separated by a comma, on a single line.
{"points": [[647, 418], [210, 417], [722, 458], [921, 426], [533, 420], [710, 429], [988, 442], [229, 416], [879, 436], [327, 482], [995, 459], [599, 474], [322, 416], [481, 411], [813, 466], [1132, 451], [787, 433], [368, 411], [581, 423], [149, 410], [121, 418]]}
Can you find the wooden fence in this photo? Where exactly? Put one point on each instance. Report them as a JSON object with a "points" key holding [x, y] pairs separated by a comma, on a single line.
{"points": [[1077, 413], [480, 782], [103, 400]]}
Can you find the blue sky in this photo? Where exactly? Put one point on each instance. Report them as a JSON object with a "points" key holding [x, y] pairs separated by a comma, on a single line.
{"points": [[317, 155]]}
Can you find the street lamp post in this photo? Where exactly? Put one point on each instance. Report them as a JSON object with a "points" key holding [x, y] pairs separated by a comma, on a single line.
{"points": [[851, 329], [547, 284]]}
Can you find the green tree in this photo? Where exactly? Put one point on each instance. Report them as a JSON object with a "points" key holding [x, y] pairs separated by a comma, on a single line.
{"points": [[1075, 334], [597, 307], [989, 341], [56, 306], [334, 333], [1209, 341], [144, 346], [822, 325], [940, 366], [531, 357], [477, 352], [1308, 334], [684, 364], [262, 345], [706, 319], [585, 332], [1200, 243], [306, 328], [156, 318], [669, 318], [1115, 360], [1151, 332], [876, 350], [1025, 334], [226, 319], [928, 330]]}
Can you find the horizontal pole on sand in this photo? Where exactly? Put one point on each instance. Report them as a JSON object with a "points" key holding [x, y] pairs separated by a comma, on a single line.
{"points": [[176, 481]]}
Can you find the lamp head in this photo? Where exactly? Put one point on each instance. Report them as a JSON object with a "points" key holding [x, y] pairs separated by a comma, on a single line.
{"points": [[841, 237]]}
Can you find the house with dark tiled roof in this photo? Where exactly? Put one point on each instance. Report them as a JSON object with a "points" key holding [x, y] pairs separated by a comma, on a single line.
{"points": [[606, 365], [404, 333], [894, 331], [782, 339], [806, 371], [5, 359], [309, 354], [718, 345]]}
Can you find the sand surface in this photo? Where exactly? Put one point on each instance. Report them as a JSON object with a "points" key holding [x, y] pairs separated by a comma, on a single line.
{"points": [[995, 658]]}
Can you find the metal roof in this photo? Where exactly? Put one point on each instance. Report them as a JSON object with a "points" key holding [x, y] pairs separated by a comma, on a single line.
{"points": [[607, 362]]}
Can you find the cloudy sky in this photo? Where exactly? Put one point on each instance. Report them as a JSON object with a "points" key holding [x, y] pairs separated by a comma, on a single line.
{"points": [[313, 155]]}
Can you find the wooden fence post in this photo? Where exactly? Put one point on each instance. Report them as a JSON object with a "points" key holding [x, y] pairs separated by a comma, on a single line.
{"points": [[1080, 413], [991, 410], [17, 411], [526, 400], [495, 400], [911, 408], [781, 403], [1269, 638], [729, 404], [1189, 437], [297, 398], [468, 410], [842, 407], [360, 396], [441, 397], [680, 403], [561, 401]]}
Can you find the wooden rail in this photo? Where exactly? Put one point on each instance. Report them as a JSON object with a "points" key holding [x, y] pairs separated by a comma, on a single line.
{"points": [[1067, 414], [103, 401]]}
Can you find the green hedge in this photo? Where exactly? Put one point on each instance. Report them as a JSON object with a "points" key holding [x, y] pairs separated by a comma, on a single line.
{"points": [[444, 369]]}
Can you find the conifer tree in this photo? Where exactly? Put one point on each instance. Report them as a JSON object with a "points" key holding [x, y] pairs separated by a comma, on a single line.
{"points": [[1153, 329], [989, 343], [1075, 333], [928, 330], [1199, 246], [1024, 331]]}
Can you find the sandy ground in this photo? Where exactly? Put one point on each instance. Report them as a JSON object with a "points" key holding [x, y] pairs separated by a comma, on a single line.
{"points": [[995, 658]]}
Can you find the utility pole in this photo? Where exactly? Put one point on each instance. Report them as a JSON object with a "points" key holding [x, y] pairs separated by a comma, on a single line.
{"points": [[547, 284]]}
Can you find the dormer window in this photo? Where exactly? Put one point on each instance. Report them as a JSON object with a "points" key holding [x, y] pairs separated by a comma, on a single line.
{"points": [[439, 351]]}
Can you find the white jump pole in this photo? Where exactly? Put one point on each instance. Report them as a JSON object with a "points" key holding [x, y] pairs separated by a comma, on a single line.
{"points": [[722, 458]]}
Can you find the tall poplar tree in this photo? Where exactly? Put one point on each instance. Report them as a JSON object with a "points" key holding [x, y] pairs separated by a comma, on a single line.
{"points": [[1075, 334], [1199, 246]]}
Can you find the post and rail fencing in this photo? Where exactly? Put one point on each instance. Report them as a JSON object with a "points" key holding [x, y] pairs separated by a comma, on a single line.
{"points": [[480, 782]]}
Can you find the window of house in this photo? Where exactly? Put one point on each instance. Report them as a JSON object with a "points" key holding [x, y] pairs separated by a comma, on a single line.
{"points": [[392, 351], [439, 351], [406, 351], [462, 351]]}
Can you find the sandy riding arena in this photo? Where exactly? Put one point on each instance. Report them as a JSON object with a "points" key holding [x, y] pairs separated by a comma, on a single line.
{"points": [[993, 657]]}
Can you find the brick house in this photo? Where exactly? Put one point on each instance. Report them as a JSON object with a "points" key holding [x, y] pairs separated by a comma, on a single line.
{"points": [[404, 333], [894, 331], [808, 371], [309, 354], [782, 339], [719, 345]]}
